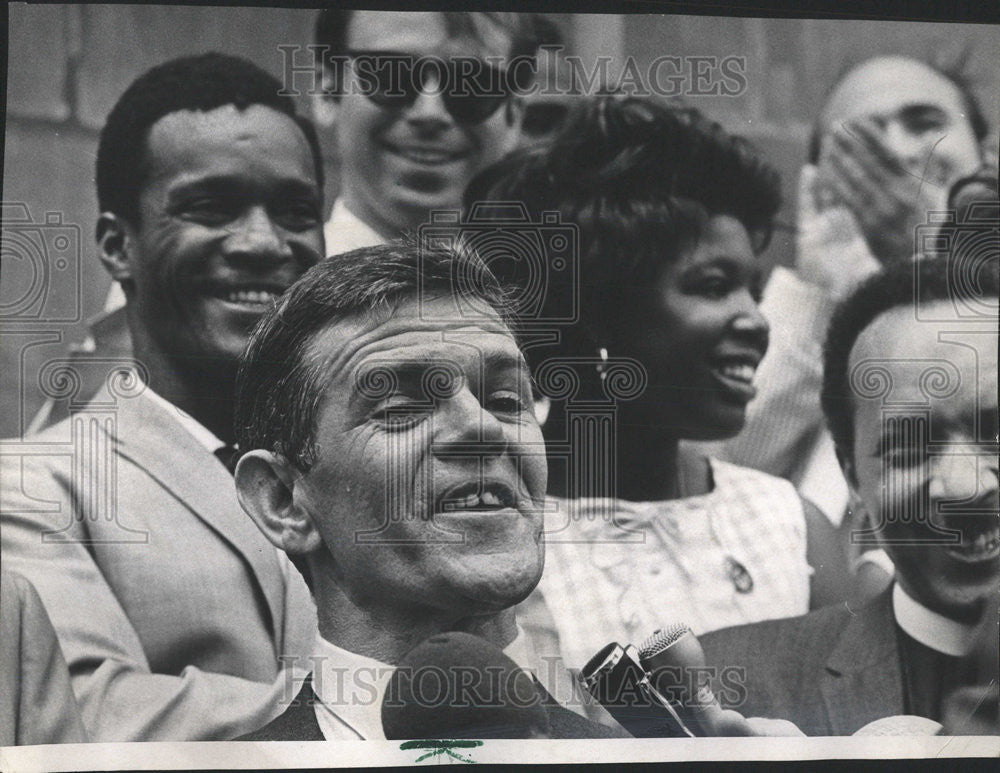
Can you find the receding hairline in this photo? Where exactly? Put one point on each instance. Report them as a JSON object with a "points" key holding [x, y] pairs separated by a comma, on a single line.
{"points": [[877, 62]]}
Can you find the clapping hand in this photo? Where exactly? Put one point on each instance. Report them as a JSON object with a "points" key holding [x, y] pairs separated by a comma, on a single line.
{"points": [[889, 196], [831, 252]]}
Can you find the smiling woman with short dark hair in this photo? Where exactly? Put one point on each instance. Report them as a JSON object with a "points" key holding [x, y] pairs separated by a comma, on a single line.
{"points": [[670, 213]]}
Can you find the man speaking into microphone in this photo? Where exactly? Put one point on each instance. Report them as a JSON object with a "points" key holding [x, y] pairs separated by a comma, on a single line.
{"points": [[391, 449]]}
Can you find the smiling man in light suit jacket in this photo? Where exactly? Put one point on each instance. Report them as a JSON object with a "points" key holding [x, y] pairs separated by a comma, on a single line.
{"points": [[175, 614]]}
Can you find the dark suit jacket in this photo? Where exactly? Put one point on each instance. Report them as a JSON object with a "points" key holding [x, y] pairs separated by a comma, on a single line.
{"points": [[830, 672], [298, 723]]}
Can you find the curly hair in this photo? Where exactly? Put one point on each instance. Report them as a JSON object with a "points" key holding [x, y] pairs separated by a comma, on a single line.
{"points": [[639, 179], [202, 83]]}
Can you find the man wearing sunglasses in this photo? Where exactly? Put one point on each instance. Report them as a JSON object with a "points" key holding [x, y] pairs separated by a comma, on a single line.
{"points": [[417, 104]]}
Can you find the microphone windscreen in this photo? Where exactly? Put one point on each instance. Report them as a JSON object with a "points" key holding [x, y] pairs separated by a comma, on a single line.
{"points": [[678, 640], [675, 662], [661, 639], [673, 656], [456, 685]]}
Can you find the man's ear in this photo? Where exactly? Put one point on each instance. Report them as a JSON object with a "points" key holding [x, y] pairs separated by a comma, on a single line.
{"points": [[324, 103], [265, 487], [114, 245]]}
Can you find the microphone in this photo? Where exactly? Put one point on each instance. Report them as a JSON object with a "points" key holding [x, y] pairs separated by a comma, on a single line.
{"points": [[456, 685], [673, 660], [617, 679]]}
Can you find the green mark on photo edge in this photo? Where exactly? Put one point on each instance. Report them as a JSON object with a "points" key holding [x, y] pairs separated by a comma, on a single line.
{"points": [[441, 747]]}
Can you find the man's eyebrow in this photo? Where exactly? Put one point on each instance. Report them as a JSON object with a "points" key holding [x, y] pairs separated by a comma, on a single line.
{"points": [[406, 371], [390, 53], [410, 373], [411, 370], [502, 360], [922, 110], [229, 183], [723, 261]]}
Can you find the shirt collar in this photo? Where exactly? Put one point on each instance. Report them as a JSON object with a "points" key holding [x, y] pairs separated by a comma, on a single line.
{"points": [[350, 687], [195, 428], [940, 633]]}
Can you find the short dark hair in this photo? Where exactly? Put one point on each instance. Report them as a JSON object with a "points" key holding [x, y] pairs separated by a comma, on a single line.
{"points": [[204, 82], [279, 388], [961, 278], [955, 71], [638, 178], [526, 31]]}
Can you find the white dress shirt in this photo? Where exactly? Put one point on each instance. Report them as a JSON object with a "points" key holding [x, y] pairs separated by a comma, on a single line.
{"points": [[345, 231], [350, 687]]}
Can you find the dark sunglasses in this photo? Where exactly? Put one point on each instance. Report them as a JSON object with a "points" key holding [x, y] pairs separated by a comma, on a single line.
{"points": [[471, 89]]}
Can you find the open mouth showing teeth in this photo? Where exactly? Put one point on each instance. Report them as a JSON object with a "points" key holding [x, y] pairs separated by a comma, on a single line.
{"points": [[735, 375], [485, 497], [249, 297], [984, 546], [737, 371]]}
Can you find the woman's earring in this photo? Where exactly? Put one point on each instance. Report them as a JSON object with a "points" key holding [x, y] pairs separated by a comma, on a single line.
{"points": [[602, 366]]}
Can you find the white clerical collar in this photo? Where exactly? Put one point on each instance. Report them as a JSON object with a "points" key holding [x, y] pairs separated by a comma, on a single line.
{"points": [[345, 231], [195, 428], [931, 629], [350, 688]]}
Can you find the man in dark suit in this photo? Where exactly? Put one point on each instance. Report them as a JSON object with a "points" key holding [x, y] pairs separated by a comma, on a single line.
{"points": [[391, 448], [910, 395], [172, 610]]}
